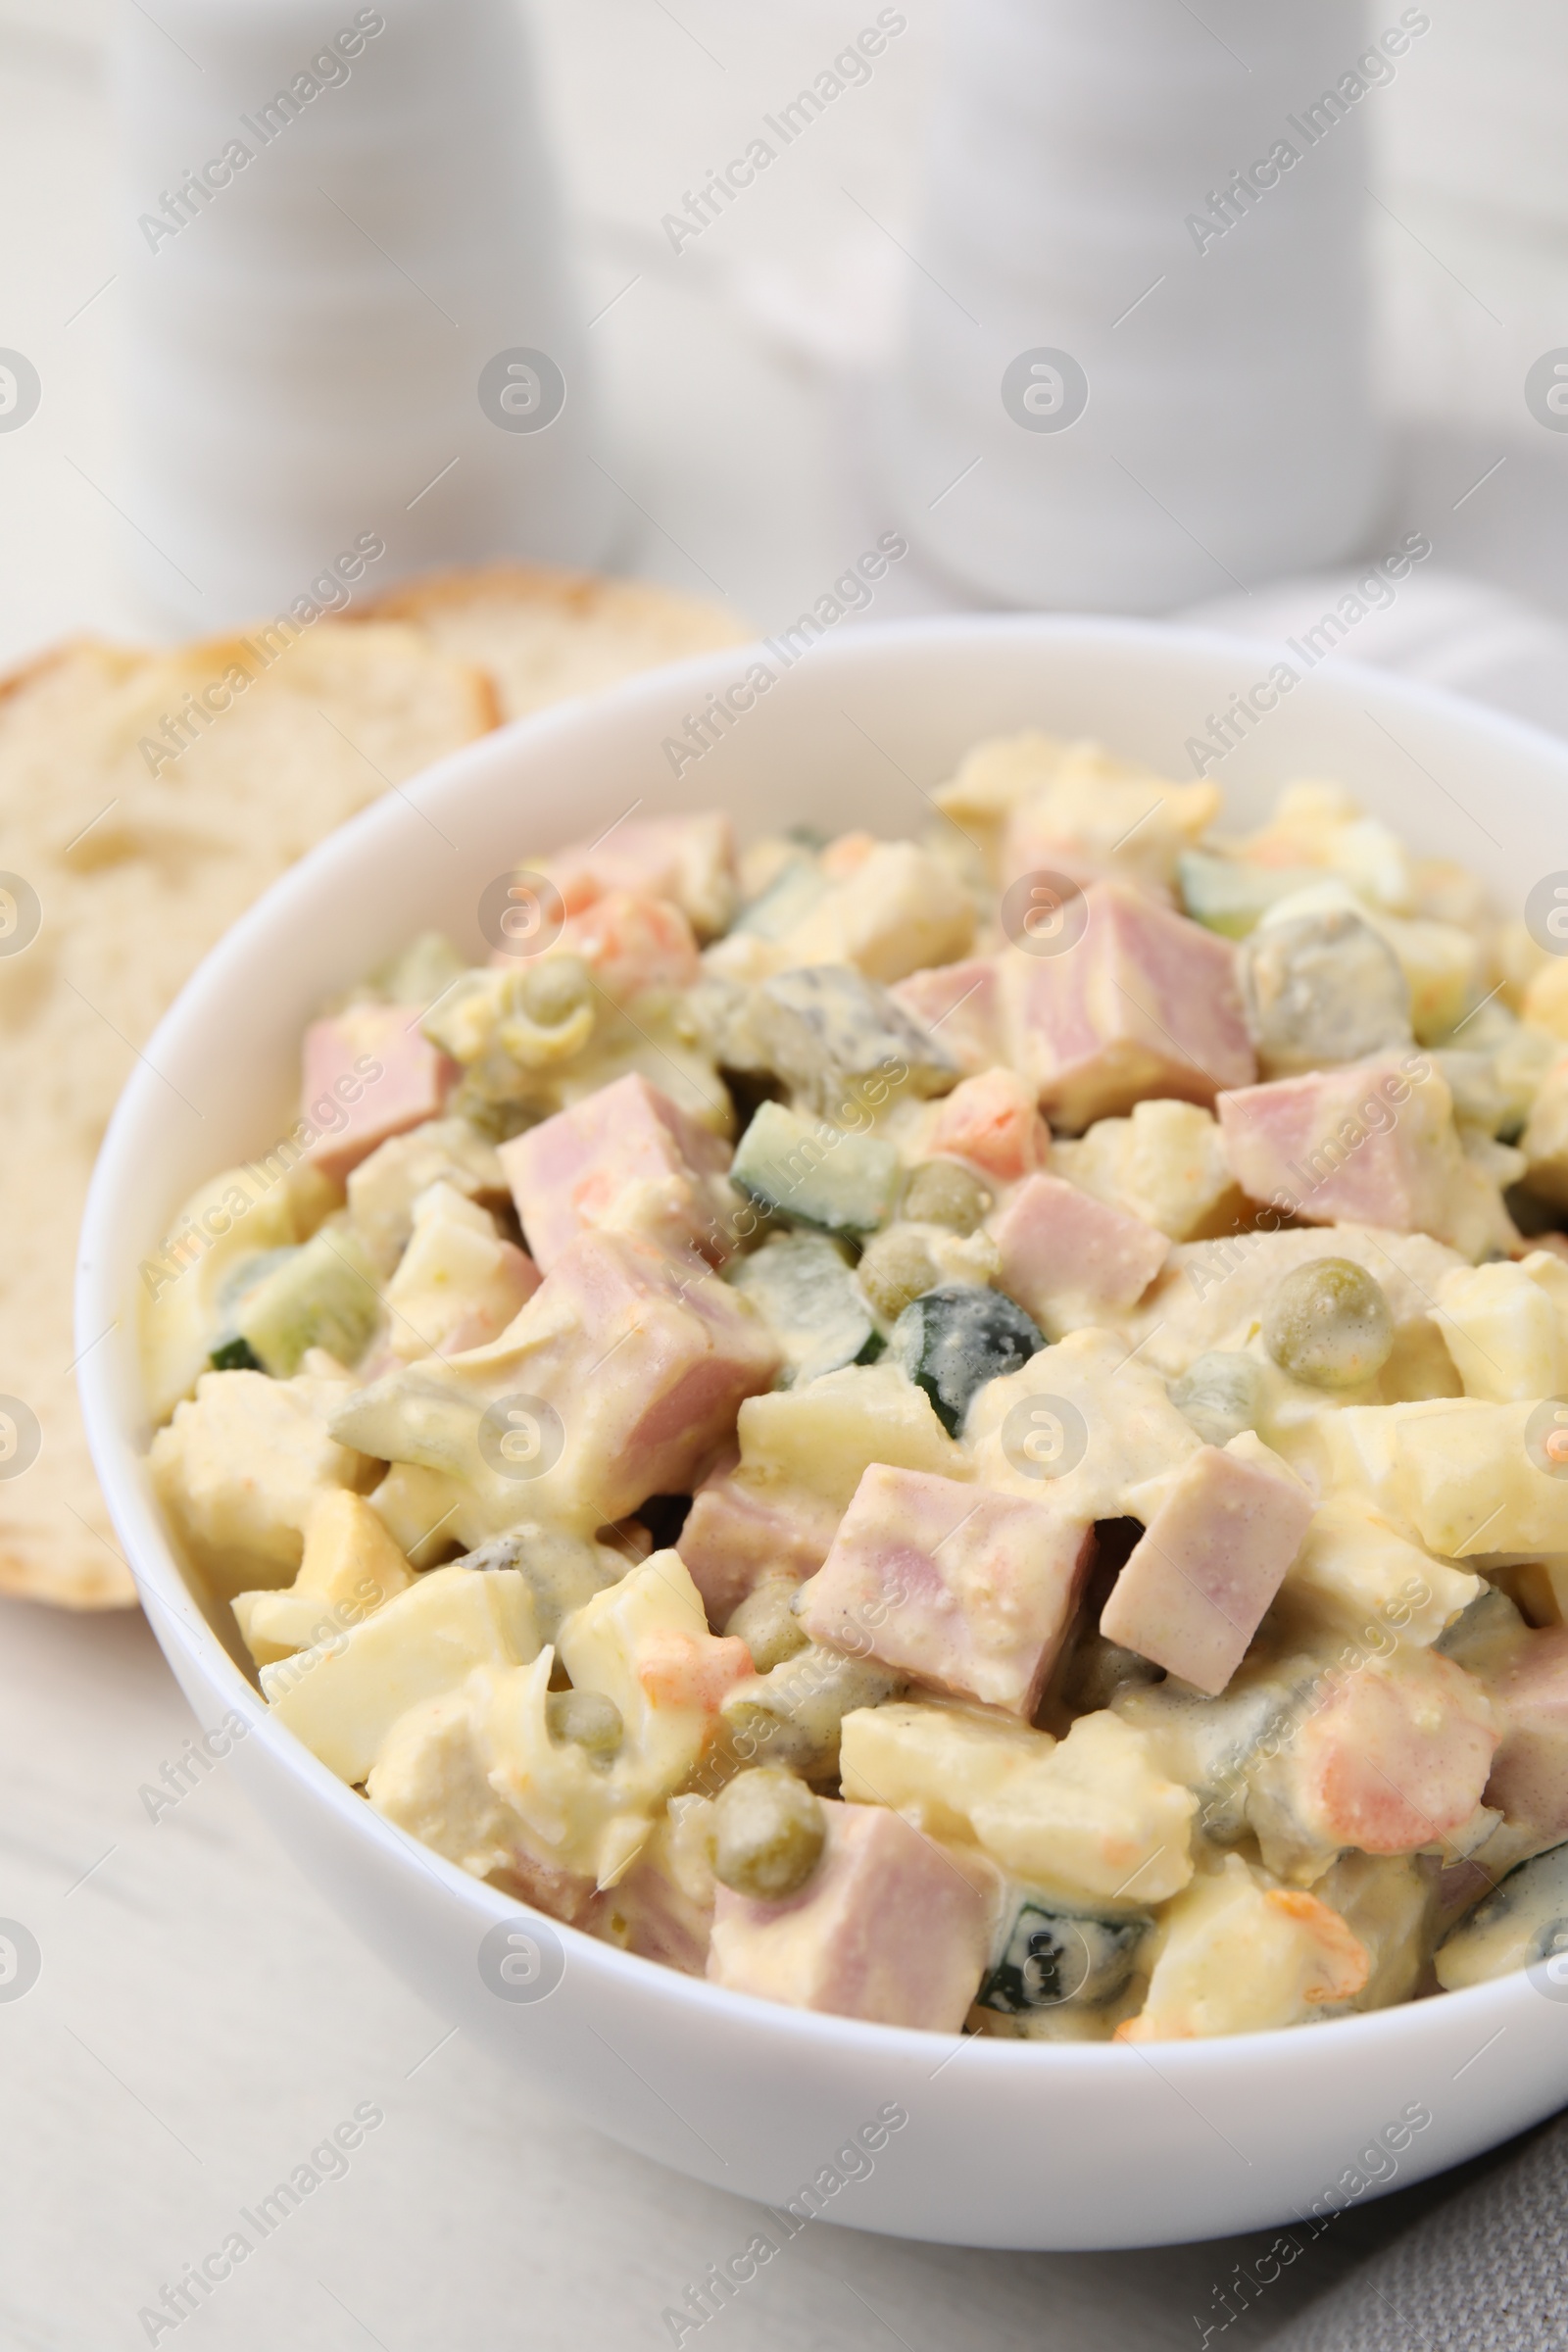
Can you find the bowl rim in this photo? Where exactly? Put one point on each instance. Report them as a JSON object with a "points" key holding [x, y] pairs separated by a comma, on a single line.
{"points": [[176, 1621]]}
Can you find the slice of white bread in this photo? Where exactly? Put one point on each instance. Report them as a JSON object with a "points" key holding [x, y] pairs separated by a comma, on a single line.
{"points": [[137, 876], [542, 635], [141, 863]]}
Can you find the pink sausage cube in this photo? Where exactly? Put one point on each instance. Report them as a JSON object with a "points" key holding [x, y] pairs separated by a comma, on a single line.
{"points": [[1396, 1757], [370, 1069], [993, 1122], [890, 1927], [647, 1360], [1352, 1145], [690, 859], [1529, 1781], [741, 1531], [958, 1587], [960, 1004], [1196, 1585], [1066, 1257], [1144, 1002], [593, 1166]]}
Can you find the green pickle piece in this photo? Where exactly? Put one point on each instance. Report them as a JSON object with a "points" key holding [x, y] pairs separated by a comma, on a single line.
{"points": [[954, 1338], [322, 1295], [813, 1174], [802, 1286], [1229, 896], [1052, 1957]]}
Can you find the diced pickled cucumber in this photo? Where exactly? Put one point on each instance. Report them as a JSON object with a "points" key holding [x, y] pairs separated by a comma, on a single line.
{"points": [[955, 1339], [235, 1356], [561, 1571], [813, 1174], [787, 901], [1228, 896], [1523, 1920], [322, 1295], [1220, 1393], [841, 1044], [802, 1286], [793, 1714], [1052, 1957]]}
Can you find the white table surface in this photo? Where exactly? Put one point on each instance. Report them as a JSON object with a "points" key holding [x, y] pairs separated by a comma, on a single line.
{"points": [[202, 2019]]}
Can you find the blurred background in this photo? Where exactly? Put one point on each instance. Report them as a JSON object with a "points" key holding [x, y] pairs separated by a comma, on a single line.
{"points": [[739, 381]]}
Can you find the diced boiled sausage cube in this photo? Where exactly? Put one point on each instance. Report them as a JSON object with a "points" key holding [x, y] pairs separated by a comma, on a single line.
{"points": [[740, 1531], [993, 1122], [370, 1070], [625, 1157], [1529, 1781], [965, 1588], [890, 1927], [1196, 1585], [1396, 1757], [630, 942], [690, 859], [1373, 1144], [643, 1362], [960, 1004], [1144, 1002], [1070, 1259], [645, 1365]]}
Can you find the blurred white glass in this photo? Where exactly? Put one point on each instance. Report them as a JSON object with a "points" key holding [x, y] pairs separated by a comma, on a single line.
{"points": [[1128, 377], [348, 312]]}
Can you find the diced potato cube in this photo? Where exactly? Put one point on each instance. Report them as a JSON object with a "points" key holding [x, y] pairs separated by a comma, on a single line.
{"points": [[1119, 1430], [932, 1762], [343, 1697], [1455, 1470], [1355, 1570], [1240, 1956], [826, 1435], [1094, 1816], [1506, 1326], [1165, 1163]]}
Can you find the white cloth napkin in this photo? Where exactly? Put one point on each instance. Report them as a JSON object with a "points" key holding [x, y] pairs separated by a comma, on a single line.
{"points": [[1450, 631], [1487, 2271]]}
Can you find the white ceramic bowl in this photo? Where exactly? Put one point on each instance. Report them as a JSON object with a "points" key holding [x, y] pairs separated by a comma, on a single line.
{"points": [[1006, 2144]]}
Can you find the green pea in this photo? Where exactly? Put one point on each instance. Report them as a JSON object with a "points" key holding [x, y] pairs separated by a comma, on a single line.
{"points": [[551, 992], [768, 1834], [766, 1623], [897, 1267], [1328, 1324], [941, 1193], [1220, 1393], [586, 1719]]}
